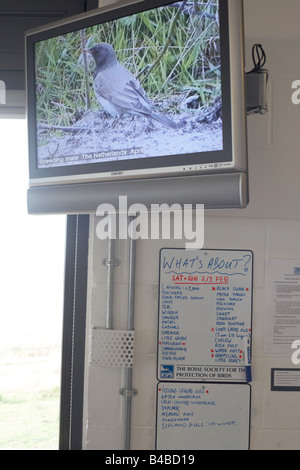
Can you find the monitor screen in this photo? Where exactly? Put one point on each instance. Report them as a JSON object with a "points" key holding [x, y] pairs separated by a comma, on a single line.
{"points": [[132, 92]]}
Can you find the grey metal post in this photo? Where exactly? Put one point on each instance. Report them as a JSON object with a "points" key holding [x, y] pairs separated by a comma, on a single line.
{"points": [[110, 263], [128, 392]]}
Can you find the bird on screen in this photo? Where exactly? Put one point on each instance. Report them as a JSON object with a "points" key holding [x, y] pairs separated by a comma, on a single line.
{"points": [[118, 91]]}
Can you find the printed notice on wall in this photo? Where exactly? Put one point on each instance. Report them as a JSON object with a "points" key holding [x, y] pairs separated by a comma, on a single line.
{"points": [[282, 316], [285, 380], [202, 416], [205, 306]]}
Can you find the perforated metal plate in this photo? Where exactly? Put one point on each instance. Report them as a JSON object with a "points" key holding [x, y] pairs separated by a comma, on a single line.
{"points": [[112, 348]]}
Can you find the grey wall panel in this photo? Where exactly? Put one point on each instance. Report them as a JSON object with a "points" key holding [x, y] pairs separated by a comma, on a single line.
{"points": [[16, 17]]}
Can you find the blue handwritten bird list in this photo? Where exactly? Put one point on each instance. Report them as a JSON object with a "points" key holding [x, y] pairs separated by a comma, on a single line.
{"points": [[205, 309]]}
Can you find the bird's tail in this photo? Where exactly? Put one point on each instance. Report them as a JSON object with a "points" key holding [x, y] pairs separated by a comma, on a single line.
{"points": [[164, 120]]}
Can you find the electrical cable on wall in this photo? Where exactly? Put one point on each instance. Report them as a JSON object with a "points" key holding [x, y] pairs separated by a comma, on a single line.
{"points": [[259, 58], [256, 82]]}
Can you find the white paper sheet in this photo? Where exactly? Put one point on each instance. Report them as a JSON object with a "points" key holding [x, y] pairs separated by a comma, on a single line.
{"points": [[282, 313]]}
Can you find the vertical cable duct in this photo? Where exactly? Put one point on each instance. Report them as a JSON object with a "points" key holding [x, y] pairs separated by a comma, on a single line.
{"points": [[129, 392]]}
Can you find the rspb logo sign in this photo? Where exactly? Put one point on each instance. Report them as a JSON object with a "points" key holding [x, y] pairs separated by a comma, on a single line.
{"points": [[166, 372]]}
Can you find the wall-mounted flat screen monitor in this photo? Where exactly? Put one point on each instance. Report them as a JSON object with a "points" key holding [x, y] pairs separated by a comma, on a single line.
{"points": [[145, 90]]}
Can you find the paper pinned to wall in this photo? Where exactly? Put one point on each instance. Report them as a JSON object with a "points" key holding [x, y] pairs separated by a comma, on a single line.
{"points": [[282, 300]]}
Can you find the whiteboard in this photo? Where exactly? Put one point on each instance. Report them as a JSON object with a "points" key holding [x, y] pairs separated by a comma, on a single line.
{"points": [[205, 314], [202, 416]]}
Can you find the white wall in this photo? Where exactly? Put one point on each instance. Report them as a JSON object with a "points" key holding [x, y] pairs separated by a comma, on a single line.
{"points": [[270, 227]]}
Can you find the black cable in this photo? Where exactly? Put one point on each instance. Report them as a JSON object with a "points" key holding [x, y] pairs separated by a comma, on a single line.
{"points": [[259, 58]]}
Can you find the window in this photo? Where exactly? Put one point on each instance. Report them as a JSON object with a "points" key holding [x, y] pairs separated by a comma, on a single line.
{"points": [[32, 258]]}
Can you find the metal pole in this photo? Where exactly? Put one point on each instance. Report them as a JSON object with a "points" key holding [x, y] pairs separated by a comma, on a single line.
{"points": [[131, 284], [110, 263], [128, 392]]}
